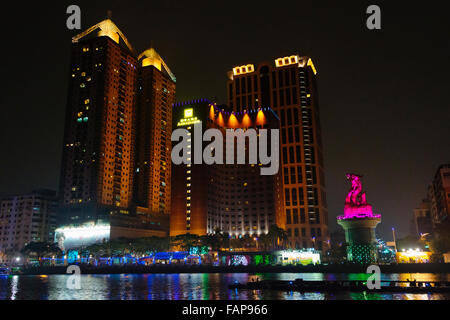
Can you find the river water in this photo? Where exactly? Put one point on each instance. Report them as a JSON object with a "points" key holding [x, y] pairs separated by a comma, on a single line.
{"points": [[191, 287]]}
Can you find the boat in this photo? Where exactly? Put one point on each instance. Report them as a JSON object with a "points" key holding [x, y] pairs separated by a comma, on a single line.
{"points": [[300, 285]]}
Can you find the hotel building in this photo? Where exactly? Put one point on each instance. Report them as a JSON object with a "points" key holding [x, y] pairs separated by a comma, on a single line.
{"points": [[235, 199], [288, 86], [102, 186], [27, 218]]}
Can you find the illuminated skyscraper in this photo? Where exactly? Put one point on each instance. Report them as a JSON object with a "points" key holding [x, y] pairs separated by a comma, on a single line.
{"points": [[98, 166], [288, 86], [156, 95], [235, 199], [98, 178]]}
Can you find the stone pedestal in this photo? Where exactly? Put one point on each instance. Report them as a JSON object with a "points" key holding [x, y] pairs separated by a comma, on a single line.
{"points": [[361, 239]]}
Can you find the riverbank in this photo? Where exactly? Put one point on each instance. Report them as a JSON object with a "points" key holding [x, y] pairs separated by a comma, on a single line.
{"points": [[176, 269]]}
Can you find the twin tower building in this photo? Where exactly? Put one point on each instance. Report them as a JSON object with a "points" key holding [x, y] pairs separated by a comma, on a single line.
{"points": [[118, 179]]}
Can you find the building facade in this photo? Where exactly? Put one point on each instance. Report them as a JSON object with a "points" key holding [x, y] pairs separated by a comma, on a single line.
{"points": [[156, 95], [27, 218], [233, 198], [423, 224], [289, 87], [118, 105], [439, 194], [98, 157]]}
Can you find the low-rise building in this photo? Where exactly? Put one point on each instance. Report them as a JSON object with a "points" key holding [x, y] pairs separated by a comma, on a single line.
{"points": [[27, 218]]}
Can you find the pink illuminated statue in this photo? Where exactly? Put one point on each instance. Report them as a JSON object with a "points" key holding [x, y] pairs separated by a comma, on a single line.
{"points": [[355, 196], [356, 205]]}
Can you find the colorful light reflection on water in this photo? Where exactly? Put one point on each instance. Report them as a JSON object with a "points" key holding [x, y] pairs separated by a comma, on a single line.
{"points": [[191, 287]]}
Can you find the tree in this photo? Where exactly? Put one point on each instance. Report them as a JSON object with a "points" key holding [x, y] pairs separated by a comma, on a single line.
{"points": [[277, 237], [186, 241], [214, 241], [441, 240], [146, 246], [41, 250], [337, 252], [265, 242]]}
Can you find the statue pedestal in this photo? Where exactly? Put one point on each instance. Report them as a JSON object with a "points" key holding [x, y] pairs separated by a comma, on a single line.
{"points": [[360, 238]]}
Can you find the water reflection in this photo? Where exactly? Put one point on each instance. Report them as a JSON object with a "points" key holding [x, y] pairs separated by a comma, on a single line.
{"points": [[192, 287]]}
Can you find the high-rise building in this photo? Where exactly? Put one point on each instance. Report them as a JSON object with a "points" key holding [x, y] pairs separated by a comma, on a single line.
{"points": [[119, 104], [98, 157], [156, 95], [233, 198], [423, 224], [439, 194], [288, 86], [27, 218]]}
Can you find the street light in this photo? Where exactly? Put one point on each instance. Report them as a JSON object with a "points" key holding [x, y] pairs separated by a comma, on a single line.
{"points": [[395, 241]]}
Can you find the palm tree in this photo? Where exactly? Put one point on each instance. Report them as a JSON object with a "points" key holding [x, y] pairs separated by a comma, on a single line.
{"points": [[277, 236], [265, 242]]}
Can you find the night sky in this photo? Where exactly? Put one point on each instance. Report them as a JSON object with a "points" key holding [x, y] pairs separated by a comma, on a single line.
{"points": [[383, 94]]}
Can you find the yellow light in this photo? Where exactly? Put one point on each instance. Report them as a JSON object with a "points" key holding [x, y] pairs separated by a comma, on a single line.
{"points": [[243, 69], [286, 61], [189, 119], [212, 113], [311, 64], [260, 119], [233, 122], [151, 62], [413, 256], [220, 121], [246, 121]]}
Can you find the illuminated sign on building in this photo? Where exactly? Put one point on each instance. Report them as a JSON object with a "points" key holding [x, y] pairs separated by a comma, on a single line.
{"points": [[188, 119], [76, 237], [298, 257], [302, 62], [286, 61], [243, 69], [311, 64]]}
